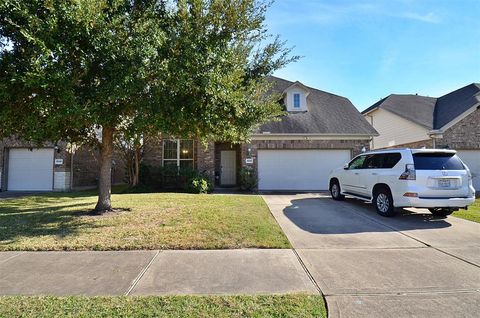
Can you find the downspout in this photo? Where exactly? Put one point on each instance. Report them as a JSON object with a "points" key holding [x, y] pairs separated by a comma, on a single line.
{"points": [[434, 135]]}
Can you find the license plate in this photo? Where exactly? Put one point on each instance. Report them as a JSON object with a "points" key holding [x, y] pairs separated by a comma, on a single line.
{"points": [[443, 183]]}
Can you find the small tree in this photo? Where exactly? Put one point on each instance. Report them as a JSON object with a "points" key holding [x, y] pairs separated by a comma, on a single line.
{"points": [[195, 68]]}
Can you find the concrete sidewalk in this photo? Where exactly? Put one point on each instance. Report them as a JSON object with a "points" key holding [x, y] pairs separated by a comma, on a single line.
{"points": [[246, 271]]}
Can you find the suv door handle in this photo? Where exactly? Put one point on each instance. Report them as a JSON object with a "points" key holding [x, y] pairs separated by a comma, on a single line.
{"points": [[356, 173], [374, 173]]}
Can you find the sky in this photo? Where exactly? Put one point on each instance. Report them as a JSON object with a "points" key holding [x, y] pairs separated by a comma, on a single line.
{"points": [[367, 49]]}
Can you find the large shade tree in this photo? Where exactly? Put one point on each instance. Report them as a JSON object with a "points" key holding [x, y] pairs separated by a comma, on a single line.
{"points": [[87, 71]]}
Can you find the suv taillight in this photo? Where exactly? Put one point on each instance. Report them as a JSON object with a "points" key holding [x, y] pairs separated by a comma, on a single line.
{"points": [[409, 173]]}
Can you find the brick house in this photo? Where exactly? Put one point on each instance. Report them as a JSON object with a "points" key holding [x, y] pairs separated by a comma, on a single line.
{"points": [[319, 132], [414, 121]]}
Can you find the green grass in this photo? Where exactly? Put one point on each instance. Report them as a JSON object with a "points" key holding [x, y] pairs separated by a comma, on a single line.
{"points": [[472, 214], [298, 306], [155, 221]]}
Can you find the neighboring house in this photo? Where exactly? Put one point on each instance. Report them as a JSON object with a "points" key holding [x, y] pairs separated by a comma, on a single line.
{"points": [[319, 132], [450, 121]]}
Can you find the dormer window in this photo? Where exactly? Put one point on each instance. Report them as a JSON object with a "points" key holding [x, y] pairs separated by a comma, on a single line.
{"points": [[296, 100]]}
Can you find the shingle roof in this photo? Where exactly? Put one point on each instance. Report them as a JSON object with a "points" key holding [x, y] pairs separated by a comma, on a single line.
{"points": [[416, 108], [454, 104], [327, 114], [432, 113]]}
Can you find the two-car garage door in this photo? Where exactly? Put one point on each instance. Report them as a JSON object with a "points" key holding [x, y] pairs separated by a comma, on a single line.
{"points": [[30, 170], [301, 170]]}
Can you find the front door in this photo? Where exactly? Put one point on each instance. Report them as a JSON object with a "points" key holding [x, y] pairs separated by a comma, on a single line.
{"points": [[228, 164]]}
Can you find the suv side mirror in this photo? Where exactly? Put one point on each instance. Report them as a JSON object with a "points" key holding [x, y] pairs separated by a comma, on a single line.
{"points": [[345, 166]]}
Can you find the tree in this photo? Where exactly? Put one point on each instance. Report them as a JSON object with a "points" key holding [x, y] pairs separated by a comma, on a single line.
{"points": [[191, 68]]}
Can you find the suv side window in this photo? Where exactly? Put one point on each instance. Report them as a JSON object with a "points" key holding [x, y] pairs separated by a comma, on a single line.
{"points": [[357, 163], [390, 160], [373, 161]]}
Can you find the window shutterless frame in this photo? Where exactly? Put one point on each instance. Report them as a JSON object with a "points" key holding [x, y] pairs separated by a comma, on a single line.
{"points": [[296, 100], [179, 152]]}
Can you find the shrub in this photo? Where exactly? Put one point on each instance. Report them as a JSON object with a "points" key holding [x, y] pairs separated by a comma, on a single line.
{"points": [[248, 179], [199, 184]]}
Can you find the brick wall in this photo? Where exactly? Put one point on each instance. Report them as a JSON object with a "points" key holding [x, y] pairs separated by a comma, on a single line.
{"points": [[86, 166], [415, 145], [463, 135]]}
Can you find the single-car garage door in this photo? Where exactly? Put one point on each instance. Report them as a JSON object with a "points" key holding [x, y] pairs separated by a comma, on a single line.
{"points": [[472, 160], [30, 170], [298, 169]]}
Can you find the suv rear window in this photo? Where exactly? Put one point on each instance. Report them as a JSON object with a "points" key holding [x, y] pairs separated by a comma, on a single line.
{"points": [[437, 161]]}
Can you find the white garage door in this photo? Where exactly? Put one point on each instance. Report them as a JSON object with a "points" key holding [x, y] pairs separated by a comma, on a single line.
{"points": [[30, 170], [298, 169], [472, 160]]}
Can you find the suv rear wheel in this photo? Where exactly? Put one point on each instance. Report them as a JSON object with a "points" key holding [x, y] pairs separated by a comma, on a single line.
{"points": [[383, 201], [335, 191], [440, 211]]}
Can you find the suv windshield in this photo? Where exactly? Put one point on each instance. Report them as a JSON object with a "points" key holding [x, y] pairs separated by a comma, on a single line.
{"points": [[437, 161]]}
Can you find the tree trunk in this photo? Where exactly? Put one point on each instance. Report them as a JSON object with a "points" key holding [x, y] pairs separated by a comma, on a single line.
{"points": [[136, 179], [105, 181]]}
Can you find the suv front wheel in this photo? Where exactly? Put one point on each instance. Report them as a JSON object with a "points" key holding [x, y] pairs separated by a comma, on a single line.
{"points": [[335, 191], [383, 201]]}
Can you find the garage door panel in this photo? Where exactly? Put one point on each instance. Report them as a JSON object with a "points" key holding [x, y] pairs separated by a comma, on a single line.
{"points": [[472, 160], [301, 170], [30, 170]]}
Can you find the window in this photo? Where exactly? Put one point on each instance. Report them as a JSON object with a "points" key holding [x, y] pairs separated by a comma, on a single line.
{"points": [[390, 160], [178, 153], [296, 100], [357, 163], [437, 161], [382, 161]]}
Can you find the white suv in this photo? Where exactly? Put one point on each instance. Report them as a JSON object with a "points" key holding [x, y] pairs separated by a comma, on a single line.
{"points": [[421, 178]]}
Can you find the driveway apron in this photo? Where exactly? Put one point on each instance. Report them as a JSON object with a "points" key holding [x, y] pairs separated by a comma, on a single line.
{"points": [[369, 266]]}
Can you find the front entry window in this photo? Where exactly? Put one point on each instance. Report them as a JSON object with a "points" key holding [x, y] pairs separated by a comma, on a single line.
{"points": [[178, 153]]}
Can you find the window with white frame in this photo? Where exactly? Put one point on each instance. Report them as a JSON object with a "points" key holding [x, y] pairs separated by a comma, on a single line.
{"points": [[296, 100], [178, 153]]}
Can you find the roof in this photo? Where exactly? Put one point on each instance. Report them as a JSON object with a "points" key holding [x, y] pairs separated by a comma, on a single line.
{"points": [[327, 114], [416, 108], [454, 104], [429, 112]]}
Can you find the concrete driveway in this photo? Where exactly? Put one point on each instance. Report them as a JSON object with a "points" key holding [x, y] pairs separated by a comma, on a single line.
{"points": [[370, 266]]}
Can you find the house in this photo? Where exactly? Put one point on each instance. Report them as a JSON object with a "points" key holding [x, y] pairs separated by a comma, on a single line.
{"points": [[319, 132], [414, 121]]}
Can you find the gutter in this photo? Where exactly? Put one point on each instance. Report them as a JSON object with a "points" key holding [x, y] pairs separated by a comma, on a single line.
{"points": [[269, 136]]}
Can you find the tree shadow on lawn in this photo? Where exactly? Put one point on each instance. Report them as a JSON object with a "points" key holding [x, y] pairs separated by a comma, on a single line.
{"points": [[18, 222], [326, 216]]}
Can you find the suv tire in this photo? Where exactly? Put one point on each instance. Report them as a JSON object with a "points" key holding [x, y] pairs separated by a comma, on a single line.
{"points": [[335, 191], [383, 201], [440, 211]]}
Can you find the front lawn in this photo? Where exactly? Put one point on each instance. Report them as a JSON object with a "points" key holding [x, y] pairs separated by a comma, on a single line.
{"points": [[154, 221], [472, 214], [164, 306]]}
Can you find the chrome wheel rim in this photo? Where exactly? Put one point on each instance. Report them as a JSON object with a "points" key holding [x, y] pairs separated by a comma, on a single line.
{"points": [[383, 203], [335, 190]]}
